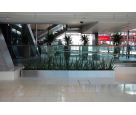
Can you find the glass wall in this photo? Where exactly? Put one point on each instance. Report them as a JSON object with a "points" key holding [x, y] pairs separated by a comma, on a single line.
{"points": [[76, 38]]}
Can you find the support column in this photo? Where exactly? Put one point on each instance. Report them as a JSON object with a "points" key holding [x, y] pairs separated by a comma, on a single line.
{"points": [[36, 34], [96, 38], [95, 55], [127, 37]]}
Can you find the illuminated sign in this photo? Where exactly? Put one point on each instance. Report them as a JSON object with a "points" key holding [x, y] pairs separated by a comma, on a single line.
{"points": [[104, 38]]}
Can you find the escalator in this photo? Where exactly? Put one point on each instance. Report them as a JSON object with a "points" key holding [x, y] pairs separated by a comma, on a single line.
{"points": [[20, 41], [56, 29], [32, 40], [41, 35]]}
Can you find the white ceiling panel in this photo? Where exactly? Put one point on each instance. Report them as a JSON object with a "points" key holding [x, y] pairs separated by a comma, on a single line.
{"points": [[107, 21]]}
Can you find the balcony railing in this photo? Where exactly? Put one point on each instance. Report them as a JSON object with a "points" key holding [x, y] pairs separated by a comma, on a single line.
{"points": [[24, 54]]}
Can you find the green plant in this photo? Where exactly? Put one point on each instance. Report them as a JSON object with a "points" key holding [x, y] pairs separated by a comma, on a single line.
{"points": [[68, 41], [50, 38], [84, 39], [116, 38], [58, 63]]}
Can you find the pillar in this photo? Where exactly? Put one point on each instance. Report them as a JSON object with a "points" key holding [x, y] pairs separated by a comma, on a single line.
{"points": [[36, 34], [127, 37], [96, 38]]}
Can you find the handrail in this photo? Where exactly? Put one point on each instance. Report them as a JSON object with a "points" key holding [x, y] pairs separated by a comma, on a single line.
{"points": [[111, 46]]}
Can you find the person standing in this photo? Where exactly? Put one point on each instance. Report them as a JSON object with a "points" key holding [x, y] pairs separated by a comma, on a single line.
{"points": [[128, 51]]}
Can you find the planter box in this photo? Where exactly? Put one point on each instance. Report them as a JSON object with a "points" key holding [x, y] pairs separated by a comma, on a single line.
{"points": [[71, 76], [10, 75], [125, 74]]}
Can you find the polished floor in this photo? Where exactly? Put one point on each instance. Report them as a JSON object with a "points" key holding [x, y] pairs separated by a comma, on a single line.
{"points": [[39, 89]]}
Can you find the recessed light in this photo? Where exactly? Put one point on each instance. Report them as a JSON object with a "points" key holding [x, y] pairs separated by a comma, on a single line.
{"points": [[81, 22]]}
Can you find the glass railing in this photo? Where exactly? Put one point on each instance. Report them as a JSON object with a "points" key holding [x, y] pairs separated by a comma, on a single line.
{"points": [[115, 51], [73, 54]]}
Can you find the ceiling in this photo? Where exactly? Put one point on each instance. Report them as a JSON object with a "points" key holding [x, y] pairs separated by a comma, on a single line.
{"points": [[40, 26], [95, 21]]}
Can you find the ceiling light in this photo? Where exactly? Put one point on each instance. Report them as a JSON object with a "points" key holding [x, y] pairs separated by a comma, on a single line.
{"points": [[81, 22]]}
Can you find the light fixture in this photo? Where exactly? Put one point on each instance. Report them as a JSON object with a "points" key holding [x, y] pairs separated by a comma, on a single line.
{"points": [[81, 22]]}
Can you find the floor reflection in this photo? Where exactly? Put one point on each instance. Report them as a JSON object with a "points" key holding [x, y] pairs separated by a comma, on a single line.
{"points": [[47, 90], [128, 88]]}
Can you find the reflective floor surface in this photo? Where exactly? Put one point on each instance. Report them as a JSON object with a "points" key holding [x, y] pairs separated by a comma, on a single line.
{"points": [[38, 89]]}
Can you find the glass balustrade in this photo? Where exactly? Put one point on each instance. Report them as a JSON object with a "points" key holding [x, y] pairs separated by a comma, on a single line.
{"points": [[73, 54]]}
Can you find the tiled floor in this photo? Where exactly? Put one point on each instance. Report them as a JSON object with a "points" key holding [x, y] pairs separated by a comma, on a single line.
{"points": [[37, 89]]}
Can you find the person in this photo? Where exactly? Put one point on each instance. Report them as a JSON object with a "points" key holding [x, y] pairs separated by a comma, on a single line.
{"points": [[128, 51], [60, 42], [67, 54], [59, 48], [50, 53]]}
